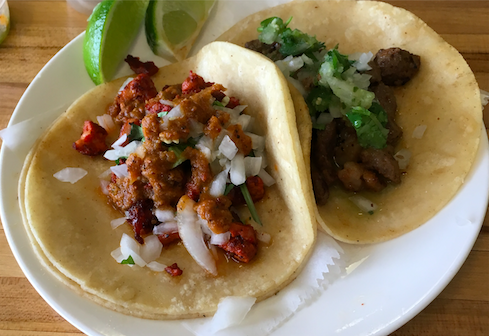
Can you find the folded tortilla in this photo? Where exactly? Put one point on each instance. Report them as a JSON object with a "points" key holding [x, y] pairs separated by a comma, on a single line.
{"points": [[444, 96], [69, 224]]}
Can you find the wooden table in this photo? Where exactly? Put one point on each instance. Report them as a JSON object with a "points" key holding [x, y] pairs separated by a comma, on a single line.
{"points": [[39, 29]]}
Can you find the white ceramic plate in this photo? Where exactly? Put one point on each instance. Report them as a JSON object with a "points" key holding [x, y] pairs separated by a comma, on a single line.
{"points": [[390, 283]]}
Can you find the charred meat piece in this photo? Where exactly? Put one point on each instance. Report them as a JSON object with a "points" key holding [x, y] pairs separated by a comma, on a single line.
{"points": [[174, 270], [323, 143], [92, 140], [372, 181], [381, 161], [397, 66], [194, 83], [148, 68], [200, 173], [131, 101], [319, 186], [387, 100], [242, 246], [141, 218], [256, 188], [269, 50], [351, 176], [347, 147], [168, 238]]}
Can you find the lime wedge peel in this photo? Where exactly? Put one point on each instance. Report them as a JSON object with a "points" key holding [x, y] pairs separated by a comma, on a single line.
{"points": [[173, 26], [111, 29]]}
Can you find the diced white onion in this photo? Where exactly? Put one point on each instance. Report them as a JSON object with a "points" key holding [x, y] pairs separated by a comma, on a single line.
{"points": [[218, 185], [115, 223], [484, 97], [165, 215], [237, 172], [361, 60], [192, 236], [205, 146], [228, 147], [240, 108], [231, 311], [151, 249], [167, 102], [196, 128], [225, 100], [117, 255], [307, 60], [130, 247], [266, 178], [244, 121], [127, 81], [118, 143], [125, 151], [103, 186], [174, 113], [165, 228], [324, 119], [362, 203], [289, 64], [71, 175], [234, 114], [257, 141], [252, 165], [402, 157], [263, 237], [221, 238], [156, 266], [419, 131], [335, 110], [106, 174], [106, 122], [120, 171], [204, 226]]}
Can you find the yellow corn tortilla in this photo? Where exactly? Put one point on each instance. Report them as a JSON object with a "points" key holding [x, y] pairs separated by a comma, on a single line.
{"points": [[69, 224], [444, 96]]}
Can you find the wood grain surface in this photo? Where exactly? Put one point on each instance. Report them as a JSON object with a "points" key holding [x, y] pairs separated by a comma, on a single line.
{"points": [[40, 29]]}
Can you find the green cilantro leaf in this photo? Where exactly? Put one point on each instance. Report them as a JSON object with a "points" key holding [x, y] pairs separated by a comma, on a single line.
{"points": [[128, 261], [228, 189], [270, 29], [338, 62], [161, 114], [217, 103], [136, 133], [178, 149], [294, 42], [370, 126], [319, 99], [118, 162]]}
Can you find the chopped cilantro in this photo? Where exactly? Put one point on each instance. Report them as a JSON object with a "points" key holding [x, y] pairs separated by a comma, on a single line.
{"points": [[178, 149], [118, 162], [161, 114], [270, 29], [339, 63], [136, 133], [369, 125], [128, 261], [249, 203], [370, 212], [228, 189], [319, 99], [217, 103]]}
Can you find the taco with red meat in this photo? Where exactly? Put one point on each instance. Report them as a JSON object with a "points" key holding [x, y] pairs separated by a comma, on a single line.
{"points": [[190, 188]]}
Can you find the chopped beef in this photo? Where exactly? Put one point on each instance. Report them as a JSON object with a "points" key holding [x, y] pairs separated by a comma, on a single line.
{"points": [[233, 102], [92, 140], [269, 50], [148, 68], [397, 66], [323, 143], [347, 146], [141, 217], [319, 185], [351, 176], [387, 100], [372, 181], [381, 161]]}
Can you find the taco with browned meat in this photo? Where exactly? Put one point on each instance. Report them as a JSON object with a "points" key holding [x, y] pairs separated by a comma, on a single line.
{"points": [[396, 111], [192, 190]]}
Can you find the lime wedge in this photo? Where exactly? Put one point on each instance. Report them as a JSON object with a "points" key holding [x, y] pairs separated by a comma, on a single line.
{"points": [[4, 20], [173, 26], [111, 29]]}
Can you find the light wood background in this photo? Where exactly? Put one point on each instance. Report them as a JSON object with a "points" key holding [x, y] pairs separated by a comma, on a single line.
{"points": [[40, 29]]}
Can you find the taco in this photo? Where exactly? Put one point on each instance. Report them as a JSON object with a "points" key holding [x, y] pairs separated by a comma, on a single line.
{"points": [[438, 110], [70, 224]]}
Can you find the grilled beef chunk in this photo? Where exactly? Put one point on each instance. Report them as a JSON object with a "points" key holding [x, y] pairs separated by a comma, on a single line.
{"points": [[397, 66], [387, 100], [269, 50], [381, 161]]}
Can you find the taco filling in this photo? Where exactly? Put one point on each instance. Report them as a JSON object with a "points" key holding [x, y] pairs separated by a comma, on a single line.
{"points": [[185, 159], [352, 106]]}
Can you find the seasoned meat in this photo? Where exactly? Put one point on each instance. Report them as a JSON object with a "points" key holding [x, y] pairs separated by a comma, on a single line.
{"points": [[168, 238], [347, 146], [213, 128], [173, 270], [92, 140], [124, 194], [141, 217], [351, 176], [194, 83], [381, 161], [217, 214], [319, 185], [269, 50], [256, 188], [397, 66], [130, 102], [387, 100], [148, 68], [241, 140], [323, 143], [200, 173], [372, 181], [374, 72], [169, 92], [242, 246]]}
